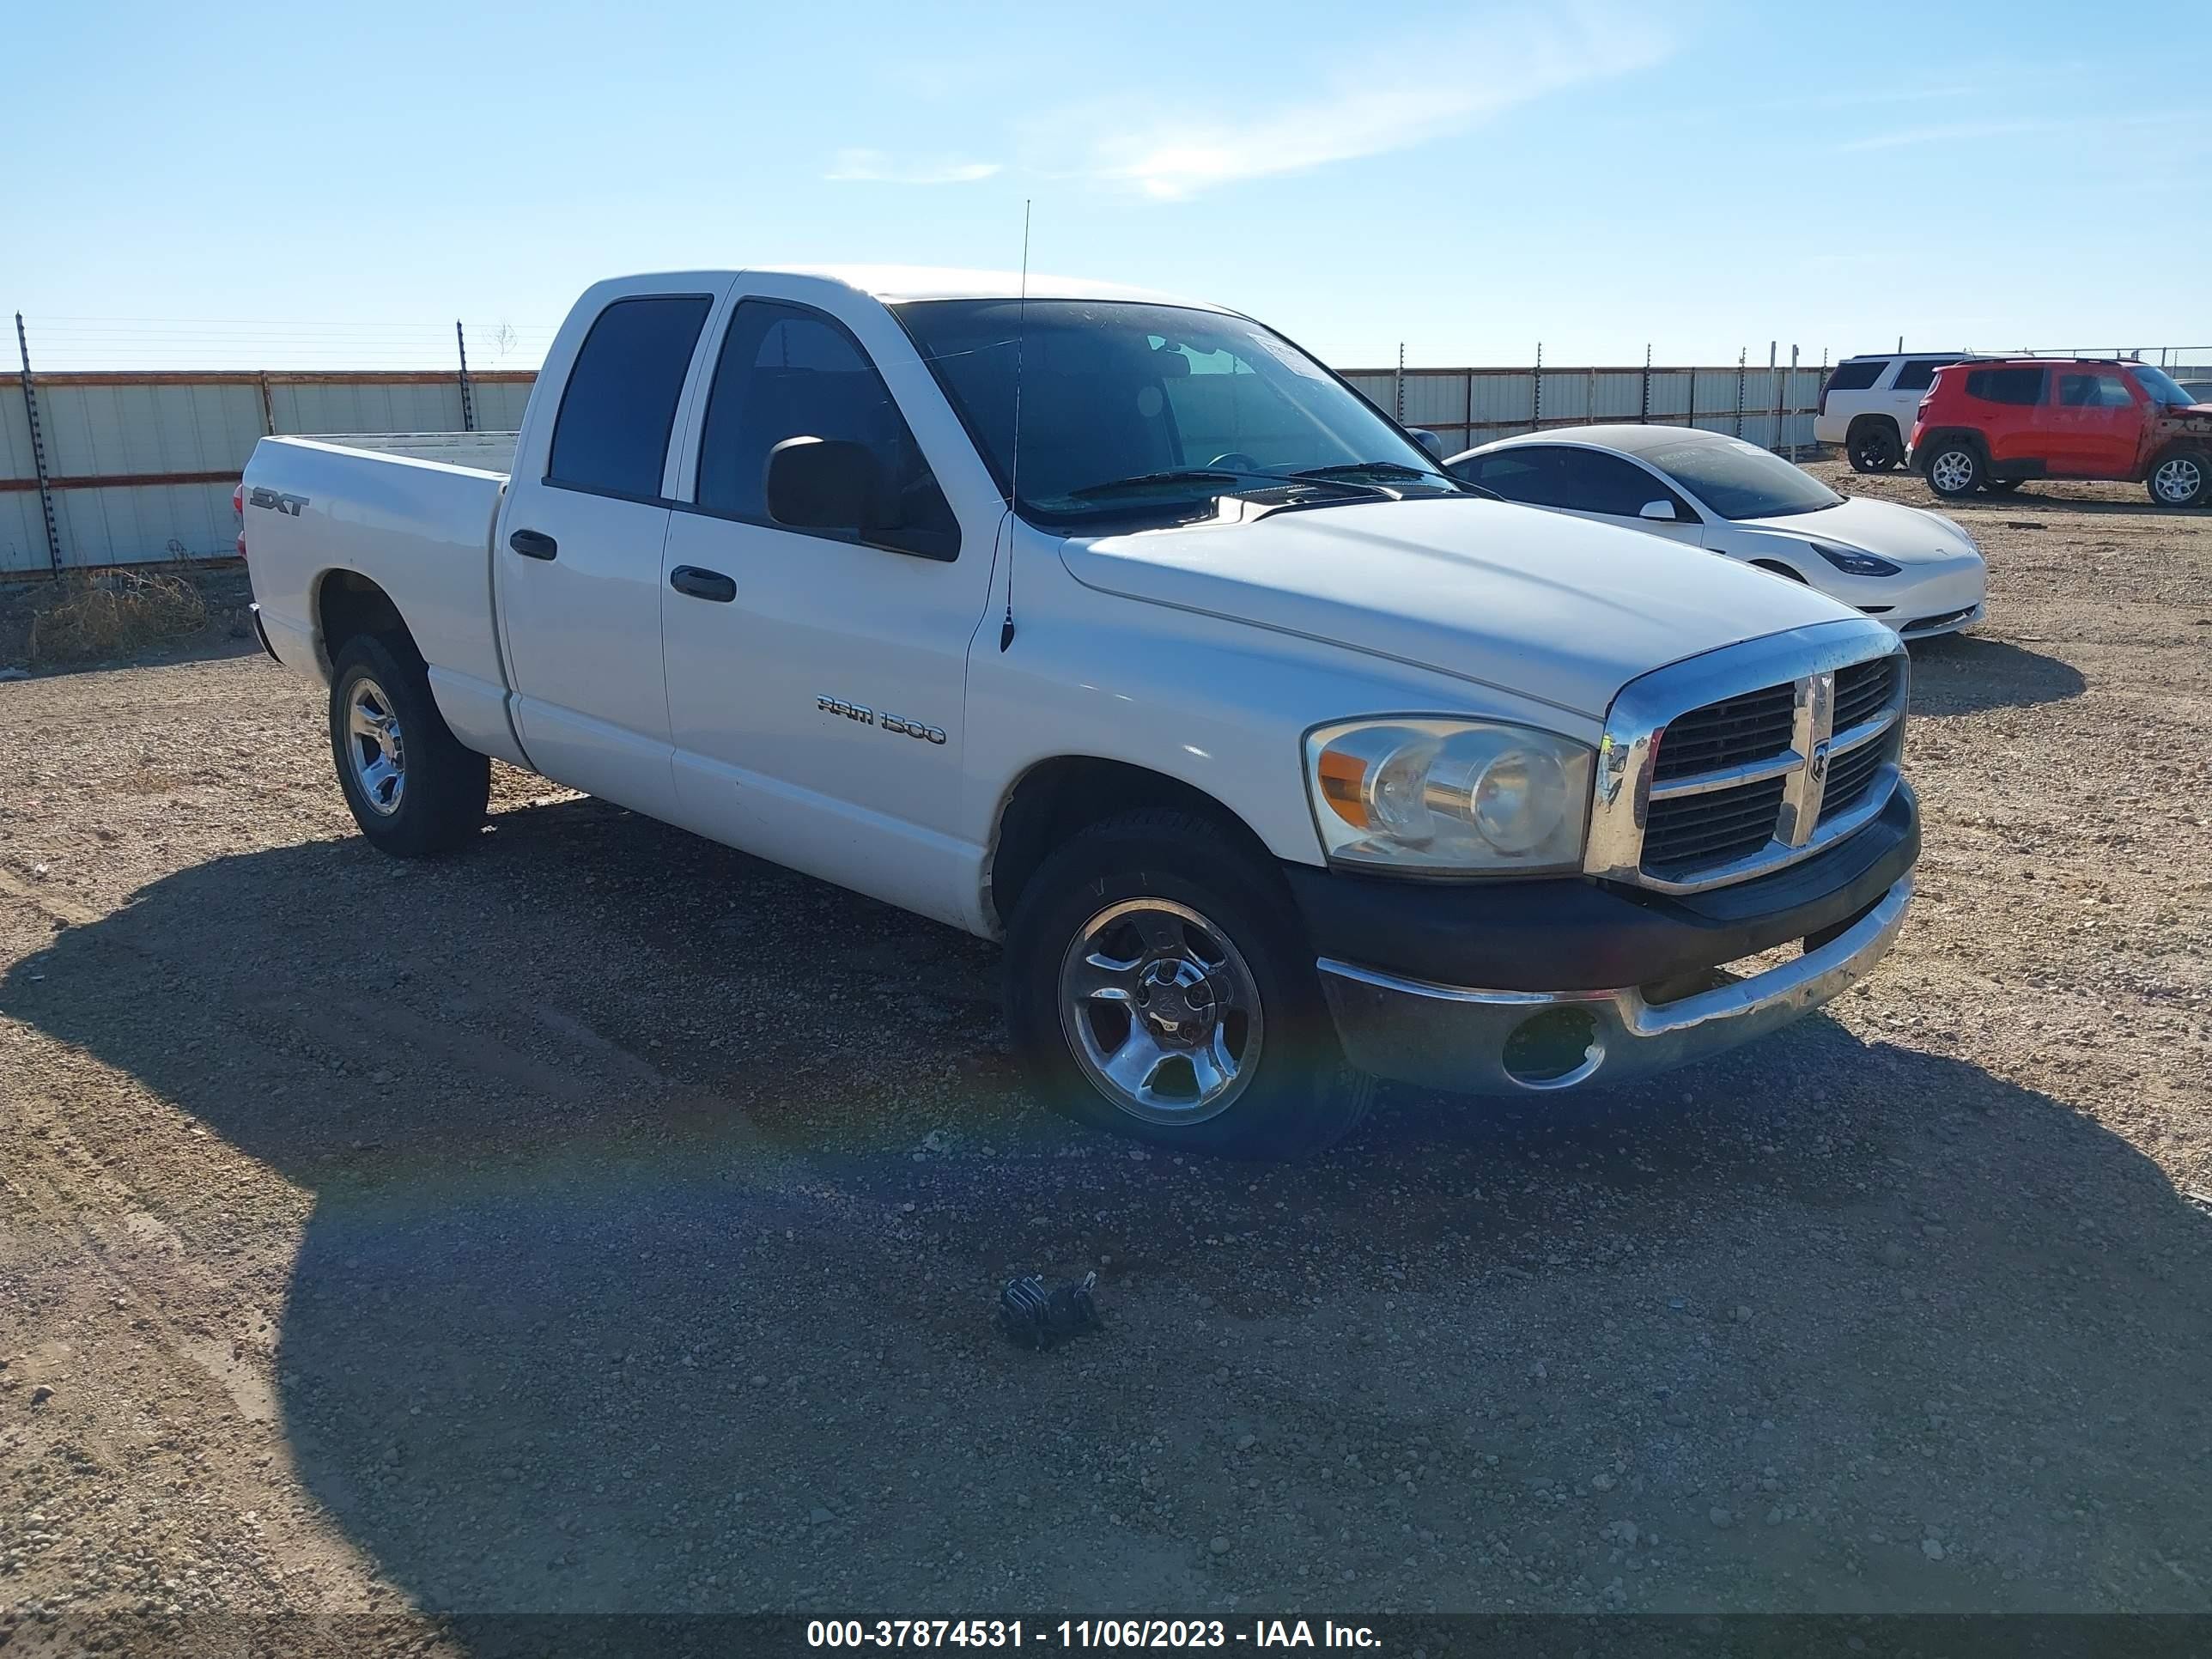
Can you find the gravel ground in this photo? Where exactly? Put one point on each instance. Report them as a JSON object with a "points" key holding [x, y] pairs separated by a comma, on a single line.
{"points": [[605, 1220]]}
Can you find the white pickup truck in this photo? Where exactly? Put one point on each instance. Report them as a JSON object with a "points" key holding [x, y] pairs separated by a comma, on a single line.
{"points": [[1116, 627]]}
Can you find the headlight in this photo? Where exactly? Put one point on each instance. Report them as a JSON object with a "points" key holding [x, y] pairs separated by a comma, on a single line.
{"points": [[1449, 795], [1852, 563]]}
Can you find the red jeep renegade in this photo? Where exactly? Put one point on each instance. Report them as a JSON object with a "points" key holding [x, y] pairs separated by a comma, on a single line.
{"points": [[1994, 423]]}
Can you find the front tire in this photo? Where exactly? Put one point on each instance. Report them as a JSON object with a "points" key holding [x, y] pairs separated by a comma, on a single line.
{"points": [[413, 789], [1873, 446], [1158, 986], [1955, 469], [2181, 479]]}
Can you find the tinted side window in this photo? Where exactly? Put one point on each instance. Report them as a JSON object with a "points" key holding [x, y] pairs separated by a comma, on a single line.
{"points": [[2005, 385], [1918, 374], [619, 406], [1518, 475], [2093, 391], [1858, 376], [789, 373], [1591, 482]]}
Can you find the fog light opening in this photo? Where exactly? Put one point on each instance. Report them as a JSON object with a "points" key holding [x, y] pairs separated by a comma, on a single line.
{"points": [[1554, 1049]]}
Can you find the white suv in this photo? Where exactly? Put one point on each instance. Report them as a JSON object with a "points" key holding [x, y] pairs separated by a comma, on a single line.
{"points": [[1868, 405]]}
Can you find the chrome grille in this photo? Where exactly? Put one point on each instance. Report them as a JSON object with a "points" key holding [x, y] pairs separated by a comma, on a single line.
{"points": [[1863, 690], [1851, 777], [1754, 726], [1726, 766], [1689, 831]]}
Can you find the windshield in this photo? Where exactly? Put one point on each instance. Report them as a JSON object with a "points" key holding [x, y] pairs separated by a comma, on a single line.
{"points": [[1739, 480], [2161, 388], [1158, 410]]}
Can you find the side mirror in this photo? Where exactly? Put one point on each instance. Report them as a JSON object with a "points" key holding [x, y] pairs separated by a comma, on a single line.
{"points": [[1428, 441], [824, 483], [1662, 511]]}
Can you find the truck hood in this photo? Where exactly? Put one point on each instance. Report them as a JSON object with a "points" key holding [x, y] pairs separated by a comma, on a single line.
{"points": [[1906, 535], [1534, 603]]}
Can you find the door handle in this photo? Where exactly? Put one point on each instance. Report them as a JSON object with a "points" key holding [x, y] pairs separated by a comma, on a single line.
{"points": [[710, 585], [532, 545]]}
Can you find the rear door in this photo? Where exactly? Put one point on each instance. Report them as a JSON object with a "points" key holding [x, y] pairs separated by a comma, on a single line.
{"points": [[578, 562], [2095, 421], [2007, 405], [816, 680], [1901, 399]]}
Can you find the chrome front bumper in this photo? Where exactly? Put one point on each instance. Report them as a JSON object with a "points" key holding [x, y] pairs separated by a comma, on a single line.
{"points": [[1443, 1036]]}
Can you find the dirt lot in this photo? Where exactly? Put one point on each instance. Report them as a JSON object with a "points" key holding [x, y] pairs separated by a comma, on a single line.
{"points": [[605, 1221]]}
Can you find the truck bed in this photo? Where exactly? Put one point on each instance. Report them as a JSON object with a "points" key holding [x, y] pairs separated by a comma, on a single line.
{"points": [[479, 452]]}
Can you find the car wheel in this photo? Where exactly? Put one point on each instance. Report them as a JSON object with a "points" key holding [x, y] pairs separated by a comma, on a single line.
{"points": [[1158, 985], [1955, 469], [1873, 446], [414, 790], [2182, 479]]}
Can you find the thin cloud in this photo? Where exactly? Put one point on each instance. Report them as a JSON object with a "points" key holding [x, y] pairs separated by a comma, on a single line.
{"points": [[1955, 132], [1963, 132], [875, 166], [1431, 88]]}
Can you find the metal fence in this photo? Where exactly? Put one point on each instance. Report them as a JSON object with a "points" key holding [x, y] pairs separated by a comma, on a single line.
{"points": [[1770, 407], [137, 466]]}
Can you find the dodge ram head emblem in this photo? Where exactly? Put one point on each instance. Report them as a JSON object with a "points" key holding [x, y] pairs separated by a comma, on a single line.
{"points": [[1817, 767]]}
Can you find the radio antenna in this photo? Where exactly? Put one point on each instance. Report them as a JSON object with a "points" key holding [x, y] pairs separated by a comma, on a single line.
{"points": [[1014, 466]]}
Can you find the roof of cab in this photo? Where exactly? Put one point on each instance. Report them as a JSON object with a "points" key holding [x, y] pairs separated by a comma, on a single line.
{"points": [[897, 284]]}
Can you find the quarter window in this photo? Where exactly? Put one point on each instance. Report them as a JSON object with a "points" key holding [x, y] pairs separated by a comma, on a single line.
{"points": [[787, 371], [619, 406]]}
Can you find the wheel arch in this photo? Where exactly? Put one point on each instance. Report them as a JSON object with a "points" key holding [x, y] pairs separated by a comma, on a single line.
{"points": [[1926, 448], [344, 605], [1058, 798], [1780, 568]]}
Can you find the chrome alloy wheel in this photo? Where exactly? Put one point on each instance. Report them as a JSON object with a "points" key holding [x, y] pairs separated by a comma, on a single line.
{"points": [[2178, 480], [1161, 1010], [374, 746], [1952, 470]]}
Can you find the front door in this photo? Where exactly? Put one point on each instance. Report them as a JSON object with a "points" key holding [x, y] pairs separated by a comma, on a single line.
{"points": [[578, 562], [2096, 423], [815, 679]]}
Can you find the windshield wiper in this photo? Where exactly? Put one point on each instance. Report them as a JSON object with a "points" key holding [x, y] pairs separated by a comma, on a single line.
{"points": [[1147, 480], [1373, 469]]}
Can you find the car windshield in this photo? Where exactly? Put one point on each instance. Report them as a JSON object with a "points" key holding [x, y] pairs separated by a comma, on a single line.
{"points": [[1149, 410], [2161, 388], [1739, 480]]}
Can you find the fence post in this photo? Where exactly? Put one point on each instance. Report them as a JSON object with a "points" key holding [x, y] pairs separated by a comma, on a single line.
{"points": [[268, 407], [1643, 413], [1536, 393], [1774, 367], [468, 409], [38, 450], [1691, 419], [1742, 361]]}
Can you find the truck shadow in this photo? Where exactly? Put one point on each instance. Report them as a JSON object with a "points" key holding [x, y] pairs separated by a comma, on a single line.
{"points": [[1964, 674], [656, 1226]]}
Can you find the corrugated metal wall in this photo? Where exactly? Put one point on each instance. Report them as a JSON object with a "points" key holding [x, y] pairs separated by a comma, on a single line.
{"points": [[1466, 407], [143, 465]]}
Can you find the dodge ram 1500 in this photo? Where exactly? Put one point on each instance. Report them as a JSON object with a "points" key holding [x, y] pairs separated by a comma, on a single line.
{"points": [[1116, 627]]}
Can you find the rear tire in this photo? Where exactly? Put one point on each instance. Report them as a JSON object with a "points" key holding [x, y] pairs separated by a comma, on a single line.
{"points": [[2181, 478], [413, 789], [1159, 986], [1872, 445], [1954, 468]]}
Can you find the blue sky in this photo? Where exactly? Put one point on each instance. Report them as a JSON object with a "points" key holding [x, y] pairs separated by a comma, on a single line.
{"points": [[267, 185]]}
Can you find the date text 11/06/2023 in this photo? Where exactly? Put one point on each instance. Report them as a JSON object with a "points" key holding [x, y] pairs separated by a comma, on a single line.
{"points": [[1085, 1633]]}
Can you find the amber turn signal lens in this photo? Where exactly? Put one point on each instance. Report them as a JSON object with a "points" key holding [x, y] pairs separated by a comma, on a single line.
{"points": [[1342, 778]]}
